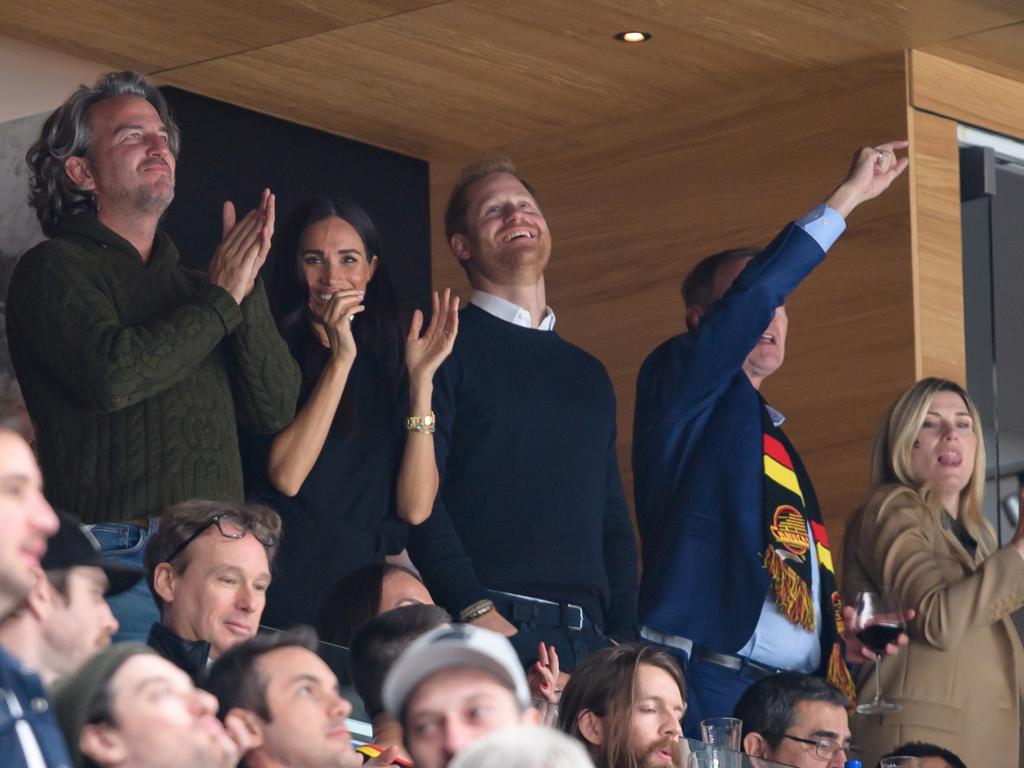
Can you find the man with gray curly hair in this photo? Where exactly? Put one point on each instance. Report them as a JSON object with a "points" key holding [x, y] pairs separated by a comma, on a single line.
{"points": [[135, 370]]}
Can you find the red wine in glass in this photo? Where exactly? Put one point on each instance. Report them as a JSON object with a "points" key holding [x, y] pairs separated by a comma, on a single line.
{"points": [[878, 620], [877, 636]]}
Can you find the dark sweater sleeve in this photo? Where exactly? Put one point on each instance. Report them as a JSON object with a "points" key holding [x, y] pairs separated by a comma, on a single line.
{"points": [[265, 377], [434, 545], [620, 556], [60, 313]]}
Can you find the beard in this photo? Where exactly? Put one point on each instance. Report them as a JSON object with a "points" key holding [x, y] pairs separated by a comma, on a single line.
{"points": [[650, 759], [510, 263], [140, 200], [149, 201]]}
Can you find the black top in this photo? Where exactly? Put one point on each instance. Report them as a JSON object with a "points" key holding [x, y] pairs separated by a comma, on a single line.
{"points": [[962, 534], [343, 516], [191, 656], [531, 501]]}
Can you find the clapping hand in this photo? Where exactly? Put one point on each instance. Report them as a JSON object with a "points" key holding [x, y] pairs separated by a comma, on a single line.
{"points": [[243, 248], [337, 320], [425, 353]]}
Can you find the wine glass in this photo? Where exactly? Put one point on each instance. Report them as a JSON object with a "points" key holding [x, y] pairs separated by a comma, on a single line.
{"points": [[878, 620]]}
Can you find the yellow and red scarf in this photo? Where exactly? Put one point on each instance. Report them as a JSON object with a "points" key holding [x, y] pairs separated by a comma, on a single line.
{"points": [[787, 556]]}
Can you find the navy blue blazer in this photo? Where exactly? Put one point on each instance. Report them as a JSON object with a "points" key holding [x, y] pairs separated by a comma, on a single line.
{"points": [[697, 459]]}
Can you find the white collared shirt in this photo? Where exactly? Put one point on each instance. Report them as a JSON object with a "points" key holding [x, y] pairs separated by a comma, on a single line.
{"points": [[510, 312]]}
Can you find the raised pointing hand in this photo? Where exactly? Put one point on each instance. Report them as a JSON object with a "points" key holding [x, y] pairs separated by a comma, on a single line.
{"points": [[872, 171]]}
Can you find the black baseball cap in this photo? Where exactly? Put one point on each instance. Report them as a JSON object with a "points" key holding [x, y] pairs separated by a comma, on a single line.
{"points": [[73, 545]]}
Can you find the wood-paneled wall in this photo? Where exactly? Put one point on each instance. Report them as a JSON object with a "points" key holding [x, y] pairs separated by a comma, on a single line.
{"points": [[937, 252], [962, 91], [634, 204], [950, 83]]}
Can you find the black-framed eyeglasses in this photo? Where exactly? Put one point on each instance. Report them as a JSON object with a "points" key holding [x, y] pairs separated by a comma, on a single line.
{"points": [[824, 748], [231, 526]]}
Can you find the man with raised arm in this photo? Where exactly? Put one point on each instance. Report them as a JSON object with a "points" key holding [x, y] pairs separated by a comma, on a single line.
{"points": [[135, 370], [738, 577], [530, 534]]}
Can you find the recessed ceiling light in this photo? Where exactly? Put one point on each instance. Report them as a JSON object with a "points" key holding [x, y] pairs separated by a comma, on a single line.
{"points": [[633, 37]]}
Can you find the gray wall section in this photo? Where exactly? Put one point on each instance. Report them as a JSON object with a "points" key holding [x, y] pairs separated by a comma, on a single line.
{"points": [[1006, 282], [19, 229]]}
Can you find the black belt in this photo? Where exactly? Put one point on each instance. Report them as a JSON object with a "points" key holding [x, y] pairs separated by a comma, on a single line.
{"points": [[735, 663], [541, 613]]}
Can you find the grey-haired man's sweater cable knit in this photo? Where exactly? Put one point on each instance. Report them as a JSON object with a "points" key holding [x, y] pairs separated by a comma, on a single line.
{"points": [[135, 372]]}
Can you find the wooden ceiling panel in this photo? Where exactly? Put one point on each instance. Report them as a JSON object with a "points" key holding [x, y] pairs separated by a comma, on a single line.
{"points": [[481, 74], [434, 78], [999, 51], [444, 77], [151, 35]]}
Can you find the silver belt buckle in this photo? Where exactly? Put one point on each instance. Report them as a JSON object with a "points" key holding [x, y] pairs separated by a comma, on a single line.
{"points": [[573, 617]]}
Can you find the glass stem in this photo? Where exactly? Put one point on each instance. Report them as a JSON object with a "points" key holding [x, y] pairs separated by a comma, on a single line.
{"points": [[878, 679]]}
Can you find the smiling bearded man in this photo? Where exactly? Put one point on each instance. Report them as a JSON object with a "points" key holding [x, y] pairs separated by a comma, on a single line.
{"points": [[626, 706], [136, 371], [530, 535]]}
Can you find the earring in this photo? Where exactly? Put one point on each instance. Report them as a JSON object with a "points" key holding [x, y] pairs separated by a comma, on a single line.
{"points": [[917, 444]]}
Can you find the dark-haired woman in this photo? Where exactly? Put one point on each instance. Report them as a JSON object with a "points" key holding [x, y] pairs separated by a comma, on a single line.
{"points": [[356, 464], [371, 590]]}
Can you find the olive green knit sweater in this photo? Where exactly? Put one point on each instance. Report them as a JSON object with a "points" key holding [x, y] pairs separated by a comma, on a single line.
{"points": [[134, 372]]}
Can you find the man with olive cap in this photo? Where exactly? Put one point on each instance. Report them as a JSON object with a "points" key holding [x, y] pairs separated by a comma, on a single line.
{"points": [[129, 707], [64, 619], [452, 686]]}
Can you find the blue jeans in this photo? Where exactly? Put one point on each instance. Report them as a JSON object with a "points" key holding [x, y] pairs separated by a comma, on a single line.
{"points": [[135, 610]]}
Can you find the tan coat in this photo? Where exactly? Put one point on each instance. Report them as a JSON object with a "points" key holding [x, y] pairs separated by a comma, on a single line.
{"points": [[959, 681]]}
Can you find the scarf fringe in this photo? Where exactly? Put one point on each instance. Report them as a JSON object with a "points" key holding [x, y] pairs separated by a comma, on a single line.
{"points": [[839, 675], [791, 593]]}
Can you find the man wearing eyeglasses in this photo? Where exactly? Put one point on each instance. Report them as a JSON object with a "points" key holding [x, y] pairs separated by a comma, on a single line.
{"points": [[209, 568], [797, 720]]}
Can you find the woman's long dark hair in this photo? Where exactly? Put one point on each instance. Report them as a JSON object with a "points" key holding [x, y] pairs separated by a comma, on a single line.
{"points": [[377, 328]]}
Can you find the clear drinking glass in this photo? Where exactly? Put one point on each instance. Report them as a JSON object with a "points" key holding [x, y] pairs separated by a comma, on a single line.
{"points": [[901, 761], [878, 621], [722, 732], [548, 712]]}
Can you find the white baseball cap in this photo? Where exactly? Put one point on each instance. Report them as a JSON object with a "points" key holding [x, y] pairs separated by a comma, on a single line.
{"points": [[454, 647]]}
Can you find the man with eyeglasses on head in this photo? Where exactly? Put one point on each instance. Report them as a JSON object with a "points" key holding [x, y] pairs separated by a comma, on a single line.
{"points": [[796, 719], [208, 566]]}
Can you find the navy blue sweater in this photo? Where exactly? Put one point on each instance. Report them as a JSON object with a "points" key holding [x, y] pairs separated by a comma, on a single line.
{"points": [[530, 500]]}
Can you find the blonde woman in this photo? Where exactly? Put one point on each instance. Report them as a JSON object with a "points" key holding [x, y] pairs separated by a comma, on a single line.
{"points": [[921, 536]]}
